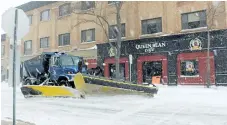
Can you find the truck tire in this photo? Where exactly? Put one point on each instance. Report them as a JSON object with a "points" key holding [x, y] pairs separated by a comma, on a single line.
{"points": [[27, 82], [64, 82]]}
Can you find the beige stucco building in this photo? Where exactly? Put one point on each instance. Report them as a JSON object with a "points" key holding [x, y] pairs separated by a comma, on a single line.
{"points": [[61, 26]]}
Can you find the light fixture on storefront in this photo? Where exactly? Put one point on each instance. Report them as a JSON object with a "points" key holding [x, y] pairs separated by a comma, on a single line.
{"points": [[104, 64], [215, 52], [86, 63]]}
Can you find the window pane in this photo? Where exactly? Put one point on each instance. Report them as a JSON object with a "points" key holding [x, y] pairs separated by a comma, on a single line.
{"points": [[60, 40], [83, 36], [93, 34], [88, 35], [64, 39], [30, 19], [144, 27], [45, 15], [189, 68], [44, 42], [152, 26], [66, 60], [113, 31], [64, 9], [28, 47], [122, 30], [194, 20], [193, 17], [87, 5], [184, 20], [203, 19]]}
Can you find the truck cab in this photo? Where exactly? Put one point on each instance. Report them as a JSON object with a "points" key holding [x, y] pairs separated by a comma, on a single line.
{"points": [[62, 68], [54, 67]]}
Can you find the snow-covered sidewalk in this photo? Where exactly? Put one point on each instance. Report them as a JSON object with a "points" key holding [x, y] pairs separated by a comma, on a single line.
{"points": [[182, 105]]}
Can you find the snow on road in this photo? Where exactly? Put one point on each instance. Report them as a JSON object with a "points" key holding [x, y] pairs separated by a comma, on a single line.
{"points": [[182, 105]]}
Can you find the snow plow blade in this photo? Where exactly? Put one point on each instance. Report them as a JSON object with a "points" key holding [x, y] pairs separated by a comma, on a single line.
{"points": [[50, 91], [93, 83]]}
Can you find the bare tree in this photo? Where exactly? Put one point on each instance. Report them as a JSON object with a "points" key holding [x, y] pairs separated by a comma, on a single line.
{"points": [[214, 10], [96, 14]]}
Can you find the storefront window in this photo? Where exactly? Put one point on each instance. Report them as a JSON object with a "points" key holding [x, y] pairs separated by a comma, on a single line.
{"points": [[151, 69], [189, 68], [112, 70]]}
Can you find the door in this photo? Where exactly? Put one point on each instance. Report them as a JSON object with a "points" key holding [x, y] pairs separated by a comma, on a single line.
{"points": [[151, 69], [112, 70]]}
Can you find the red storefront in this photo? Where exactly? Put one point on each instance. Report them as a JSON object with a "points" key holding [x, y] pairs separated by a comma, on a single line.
{"points": [[200, 60], [111, 61], [178, 59]]}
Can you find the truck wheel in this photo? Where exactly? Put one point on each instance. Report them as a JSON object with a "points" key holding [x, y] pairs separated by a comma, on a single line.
{"points": [[28, 82], [64, 82]]}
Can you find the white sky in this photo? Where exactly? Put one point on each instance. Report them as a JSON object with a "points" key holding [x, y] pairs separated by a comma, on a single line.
{"points": [[6, 4]]}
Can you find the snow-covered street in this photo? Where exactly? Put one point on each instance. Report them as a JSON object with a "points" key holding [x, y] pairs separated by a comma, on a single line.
{"points": [[182, 105]]}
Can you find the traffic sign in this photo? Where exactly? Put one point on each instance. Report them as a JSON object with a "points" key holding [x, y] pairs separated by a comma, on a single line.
{"points": [[16, 25], [8, 23]]}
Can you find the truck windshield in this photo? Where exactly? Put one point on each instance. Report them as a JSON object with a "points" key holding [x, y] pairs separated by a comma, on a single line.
{"points": [[76, 60], [66, 60], [69, 60]]}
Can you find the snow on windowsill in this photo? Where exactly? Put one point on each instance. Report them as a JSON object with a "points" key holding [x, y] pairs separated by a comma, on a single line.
{"points": [[63, 46], [151, 35], [88, 42], [195, 29], [112, 40], [195, 76]]}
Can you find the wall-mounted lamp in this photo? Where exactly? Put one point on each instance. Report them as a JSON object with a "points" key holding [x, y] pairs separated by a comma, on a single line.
{"points": [[104, 64], [215, 52]]}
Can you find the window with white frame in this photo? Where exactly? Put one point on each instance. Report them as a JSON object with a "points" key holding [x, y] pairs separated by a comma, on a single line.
{"points": [[113, 31], [85, 5], [3, 50], [30, 19], [64, 39], [194, 20], [45, 15], [44, 42], [28, 47], [151, 26], [64, 9], [88, 35]]}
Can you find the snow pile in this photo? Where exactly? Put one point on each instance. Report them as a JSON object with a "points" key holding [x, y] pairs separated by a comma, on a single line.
{"points": [[182, 105]]}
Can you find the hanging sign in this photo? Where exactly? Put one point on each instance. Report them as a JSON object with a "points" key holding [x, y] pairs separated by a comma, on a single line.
{"points": [[195, 44]]}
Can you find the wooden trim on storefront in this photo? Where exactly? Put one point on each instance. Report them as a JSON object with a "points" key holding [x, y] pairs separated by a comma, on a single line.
{"points": [[202, 60], [112, 61], [151, 58]]}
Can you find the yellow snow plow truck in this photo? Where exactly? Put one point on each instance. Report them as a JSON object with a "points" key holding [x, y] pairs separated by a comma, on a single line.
{"points": [[61, 75]]}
